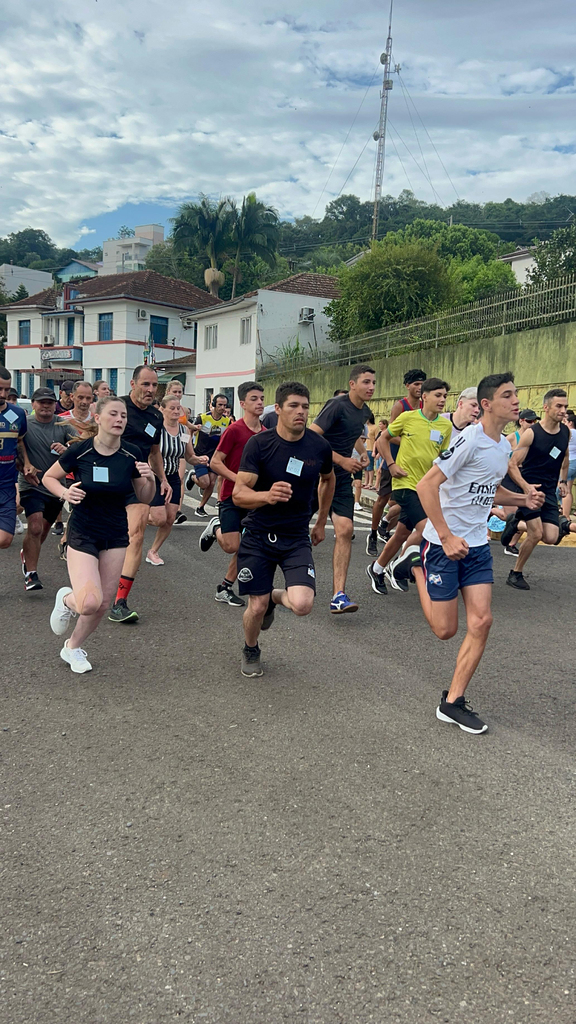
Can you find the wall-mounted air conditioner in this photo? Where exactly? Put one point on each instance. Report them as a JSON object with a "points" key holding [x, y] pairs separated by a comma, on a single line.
{"points": [[188, 322], [49, 339], [141, 314], [306, 315]]}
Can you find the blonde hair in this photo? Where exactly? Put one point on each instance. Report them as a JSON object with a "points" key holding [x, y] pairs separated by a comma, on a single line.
{"points": [[171, 384]]}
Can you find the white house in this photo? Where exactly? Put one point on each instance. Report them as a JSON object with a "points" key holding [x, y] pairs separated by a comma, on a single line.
{"points": [[12, 277], [101, 328], [521, 261], [236, 338], [120, 255]]}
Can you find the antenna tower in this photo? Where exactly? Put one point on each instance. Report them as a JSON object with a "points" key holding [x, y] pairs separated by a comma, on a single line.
{"points": [[380, 134]]}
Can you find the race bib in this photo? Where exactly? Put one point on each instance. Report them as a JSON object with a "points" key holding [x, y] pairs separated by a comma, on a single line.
{"points": [[206, 428], [554, 453], [295, 466], [100, 475], [10, 415], [186, 438], [150, 429], [435, 435]]}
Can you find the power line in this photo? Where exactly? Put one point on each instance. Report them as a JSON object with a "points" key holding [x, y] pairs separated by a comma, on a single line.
{"points": [[404, 86], [434, 192], [355, 166]]}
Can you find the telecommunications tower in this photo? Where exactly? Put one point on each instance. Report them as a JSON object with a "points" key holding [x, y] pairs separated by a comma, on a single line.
{"points": [[380, 134]]}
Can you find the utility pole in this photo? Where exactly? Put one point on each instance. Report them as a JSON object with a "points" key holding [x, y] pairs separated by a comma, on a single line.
{"points": [[380, 134]]}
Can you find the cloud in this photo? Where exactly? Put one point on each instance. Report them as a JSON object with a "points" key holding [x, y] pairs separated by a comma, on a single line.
{"points": [[106, 104]]}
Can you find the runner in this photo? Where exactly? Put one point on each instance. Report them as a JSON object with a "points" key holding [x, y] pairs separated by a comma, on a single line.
{"points": [[227, 525], [65, 401], [100, 389], [79, 414], [176, 447], [143, 430], [568, 501], [526, 419], [46, 440], [341, 422], [540, 457], [276, 481], [381, 526], [175, 387], [466, 412], [413, 381], [209, 427], [423, 434], [458, 493], [107, 470], [12, 432]]}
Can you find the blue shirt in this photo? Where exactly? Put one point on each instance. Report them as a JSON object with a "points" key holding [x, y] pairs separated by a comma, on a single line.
{"points": [[12, 426]]}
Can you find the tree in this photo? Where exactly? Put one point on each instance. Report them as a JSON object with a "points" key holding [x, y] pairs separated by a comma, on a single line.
{"points": [[164, 259], [205, 227], [450, 241], [254, 231], [556, 257], [474, 279], [20, 293], [28, 245], [126, 232]]}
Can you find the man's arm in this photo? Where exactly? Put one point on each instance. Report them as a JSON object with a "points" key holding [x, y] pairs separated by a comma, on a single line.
{"points": [[384, 449], [218, 465], [518, 455], [350, 465], [397, 410], [29, 471], [325, 494], [531, 499], [563, 481], [245, 496], [429, 493]]}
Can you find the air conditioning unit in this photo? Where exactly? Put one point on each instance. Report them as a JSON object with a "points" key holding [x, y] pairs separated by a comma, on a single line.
{"points": [[188, 322], [306, 315], [49, 339], [141, 314]]}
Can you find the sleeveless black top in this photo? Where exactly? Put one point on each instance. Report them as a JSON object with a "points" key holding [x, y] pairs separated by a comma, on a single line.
{"points": [[543, 462]]}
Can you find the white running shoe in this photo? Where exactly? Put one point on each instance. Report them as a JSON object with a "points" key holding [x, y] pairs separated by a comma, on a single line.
{"points": [[358, 507], [61, 615], [76, 658], [19, 528]]}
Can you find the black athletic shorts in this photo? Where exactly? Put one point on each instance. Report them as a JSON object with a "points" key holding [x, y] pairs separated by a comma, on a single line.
{"points": [[93, 545], [549, 513], [260, 554], [176, 485], [35, 501], [411, 511], [359, 474], [231, 516]]}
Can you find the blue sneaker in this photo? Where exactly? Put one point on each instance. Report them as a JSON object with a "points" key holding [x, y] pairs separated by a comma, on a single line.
{"points": [[341, 603]]}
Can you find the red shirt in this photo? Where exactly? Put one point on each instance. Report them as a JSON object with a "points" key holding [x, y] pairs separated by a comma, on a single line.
{"points": [[232, 445]]}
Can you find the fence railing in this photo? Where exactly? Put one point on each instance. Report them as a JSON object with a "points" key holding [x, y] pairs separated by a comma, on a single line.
{"points": [[533, 306]]}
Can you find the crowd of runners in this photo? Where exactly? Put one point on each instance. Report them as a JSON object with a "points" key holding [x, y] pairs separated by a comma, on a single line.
{"points": [[118, 464]]}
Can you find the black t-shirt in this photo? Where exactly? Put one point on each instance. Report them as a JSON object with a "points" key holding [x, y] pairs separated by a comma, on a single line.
{"points": [[107, 480], [543, 461], [270, 420], [143, 428], [272, 459], [342, 424]]}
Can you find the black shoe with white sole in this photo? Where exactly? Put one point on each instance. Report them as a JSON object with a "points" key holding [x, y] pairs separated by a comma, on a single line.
{"points": [[201, 512], [461, 714], [372, 544], [383, 531], [227, 596], [208, 536], [563, 529], [394, 583], [402, 568], [509, 530], [377, 580], [180, 518], [516, 580], [32, 582], [512, 549]]}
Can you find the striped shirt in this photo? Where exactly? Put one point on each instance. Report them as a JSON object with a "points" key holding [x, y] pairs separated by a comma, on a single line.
{"points": [[172, 448]]}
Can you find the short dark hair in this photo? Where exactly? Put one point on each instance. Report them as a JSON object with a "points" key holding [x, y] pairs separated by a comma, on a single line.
{"points": [[572, 419], [216, 397], [291, 387], [248, 386], [5, 374], [79, 383], [138, 370], [489, 385], [434, 384], [413, 376], [358, 370], [339, 391], [553, 393]]}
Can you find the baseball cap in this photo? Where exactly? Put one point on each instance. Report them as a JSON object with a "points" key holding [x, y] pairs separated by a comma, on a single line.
{"points": [[43, 393], [67, 385], [529, 415]]}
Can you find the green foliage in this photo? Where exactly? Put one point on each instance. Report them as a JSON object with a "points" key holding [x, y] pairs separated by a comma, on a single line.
{"points": [[164, 259], [556, 257], [451, 242], [255, 231], [474, 279], [204, 228], [126, 232], [20, 293]]}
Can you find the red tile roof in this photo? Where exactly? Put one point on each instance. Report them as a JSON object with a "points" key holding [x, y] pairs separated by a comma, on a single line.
{"points": [[46, 298], [168, 363], [322, 285], [146, 286]]}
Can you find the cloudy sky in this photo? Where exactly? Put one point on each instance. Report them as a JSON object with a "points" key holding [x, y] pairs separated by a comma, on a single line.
{"points": [[113, 112]]}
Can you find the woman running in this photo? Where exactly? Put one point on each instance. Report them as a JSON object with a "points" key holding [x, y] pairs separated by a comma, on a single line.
{"points": [[106, 471], [176, 389], [177, 449]]}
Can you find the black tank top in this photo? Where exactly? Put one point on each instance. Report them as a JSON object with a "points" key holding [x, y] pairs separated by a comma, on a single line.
{"points": [[543, 462]]}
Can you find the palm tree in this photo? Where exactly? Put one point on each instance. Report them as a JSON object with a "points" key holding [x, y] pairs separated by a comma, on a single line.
{"points": [[255, 230], [205, 227]]}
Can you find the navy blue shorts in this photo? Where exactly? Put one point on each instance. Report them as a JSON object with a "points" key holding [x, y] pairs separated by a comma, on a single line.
{"points": [[444, 577], [8, 508]]}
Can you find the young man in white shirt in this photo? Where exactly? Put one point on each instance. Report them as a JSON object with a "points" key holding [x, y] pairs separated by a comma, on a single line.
{"points": [[457, 495]]}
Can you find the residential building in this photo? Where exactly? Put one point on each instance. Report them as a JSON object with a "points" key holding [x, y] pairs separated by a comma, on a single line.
{"points": [[101, 328], [76, 269], [121, 255], [182, 369], [521, 261], [12, 277], [236, 338]]}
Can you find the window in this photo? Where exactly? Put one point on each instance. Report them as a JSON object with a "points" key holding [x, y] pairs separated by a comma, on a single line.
{"points": [[159, 329], [97, 375], [208, 392], [74, 293], [30, 385], [70, 331], [18, 382], [211, 336], [245, 330], [105, 327], [23, 332], [113, 381]]}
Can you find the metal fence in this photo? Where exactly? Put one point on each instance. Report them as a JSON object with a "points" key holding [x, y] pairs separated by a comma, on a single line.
{"points": [[522, 310]]}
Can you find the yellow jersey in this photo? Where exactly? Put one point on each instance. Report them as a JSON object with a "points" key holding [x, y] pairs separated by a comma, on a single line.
{"points": [[422, 440]]}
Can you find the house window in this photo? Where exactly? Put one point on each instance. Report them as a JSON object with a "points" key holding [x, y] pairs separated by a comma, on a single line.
{"points": [[113, 381], [97, 375], [30, 385], [23, 332], [105, 327], [211, 336], [70, 331], [246, 330], [18, 382], [159, 329]]}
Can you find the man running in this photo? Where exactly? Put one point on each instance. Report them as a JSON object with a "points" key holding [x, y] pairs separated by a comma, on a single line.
{"points": [[12, 432], [143, 429], [541, 457], [341, 422], [46, 439], [276, 481], [457, 494], [209, 427], [82, 398], [423, 434], [466, 412], [227, 525], [65, 401]]}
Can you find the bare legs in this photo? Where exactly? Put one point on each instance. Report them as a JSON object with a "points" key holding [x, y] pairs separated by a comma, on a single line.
{"points": [[297, 599], [536, 531], [343, 530], [137, 520], [38, 530], [162, 516], [93, 581]]}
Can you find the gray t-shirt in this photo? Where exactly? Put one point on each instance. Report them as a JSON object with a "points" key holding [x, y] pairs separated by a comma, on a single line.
{"points": [[38, 439]]}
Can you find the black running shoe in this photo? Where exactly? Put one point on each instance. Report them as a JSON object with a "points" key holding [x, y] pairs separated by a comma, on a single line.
{"points": [[180, 518], [516, 580], [461, 714], [512, 549], [402, 567], [120, 612], [377, 580], [563, 530], [189, 482], [201, 512], [372, 545], [58, 529], [31, 581], [270, 612], [383, 531], [208, 536], [509, 530], [250, 665]]}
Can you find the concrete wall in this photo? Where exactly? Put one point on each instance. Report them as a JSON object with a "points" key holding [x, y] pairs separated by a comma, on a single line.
{"points": [[278, 321], [540, 359]]}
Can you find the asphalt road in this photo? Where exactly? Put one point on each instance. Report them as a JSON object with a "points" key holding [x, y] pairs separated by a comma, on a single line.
{"points": [[181, 843]]}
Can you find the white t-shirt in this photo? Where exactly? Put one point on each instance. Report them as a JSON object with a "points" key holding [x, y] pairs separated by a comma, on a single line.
{"points": [[572, 445], [474, 466]]}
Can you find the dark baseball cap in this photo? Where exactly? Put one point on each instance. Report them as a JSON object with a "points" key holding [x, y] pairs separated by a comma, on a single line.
{"points": [[43, 394], [529, 415], [67, 385]]}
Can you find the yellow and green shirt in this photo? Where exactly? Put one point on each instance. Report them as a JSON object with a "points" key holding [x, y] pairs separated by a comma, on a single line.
{"points": [[422, 440]]}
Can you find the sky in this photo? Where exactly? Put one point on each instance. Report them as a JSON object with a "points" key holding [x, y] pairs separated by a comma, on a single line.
{"points": [[114, 113]]}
